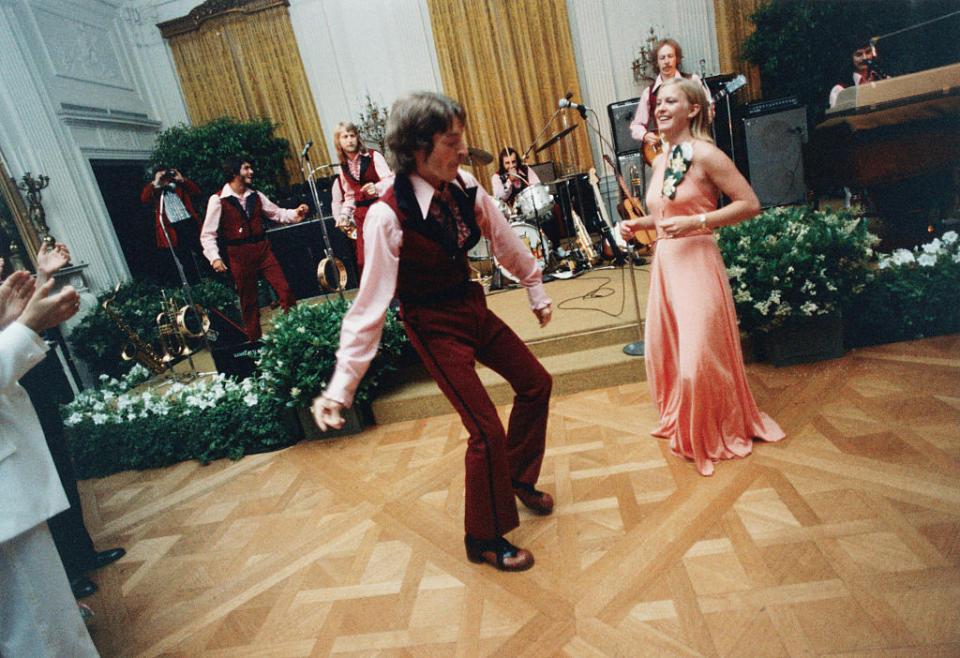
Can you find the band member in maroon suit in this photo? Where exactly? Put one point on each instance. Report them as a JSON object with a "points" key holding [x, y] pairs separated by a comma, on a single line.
{"points": [[418, 235], [179, 219], [235, 215], [361, 168]]}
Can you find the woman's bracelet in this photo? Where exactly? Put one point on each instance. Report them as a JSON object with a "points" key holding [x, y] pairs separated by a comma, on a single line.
{"points": [[703, 221]]}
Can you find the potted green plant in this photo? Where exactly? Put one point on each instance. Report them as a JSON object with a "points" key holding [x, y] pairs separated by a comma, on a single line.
{"points": [[911, 294], [791, 269], [299, 354], [137, 422]]}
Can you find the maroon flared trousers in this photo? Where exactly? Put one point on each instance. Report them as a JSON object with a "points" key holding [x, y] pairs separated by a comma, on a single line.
{"points": [[450, 337]]}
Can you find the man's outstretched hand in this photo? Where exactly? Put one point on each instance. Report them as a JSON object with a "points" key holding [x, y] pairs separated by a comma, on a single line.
{"points": [[326, 413]]}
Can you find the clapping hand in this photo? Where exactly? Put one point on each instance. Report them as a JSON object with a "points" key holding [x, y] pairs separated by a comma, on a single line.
{"points": [[15, 292], [45, 310], [50, 261]]}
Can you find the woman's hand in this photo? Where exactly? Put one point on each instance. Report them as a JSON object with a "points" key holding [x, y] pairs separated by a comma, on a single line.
{"points": [[628, 227], [679, 225]]}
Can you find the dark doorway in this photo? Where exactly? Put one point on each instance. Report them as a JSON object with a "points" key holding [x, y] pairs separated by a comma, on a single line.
{"points": [[121, 182]]}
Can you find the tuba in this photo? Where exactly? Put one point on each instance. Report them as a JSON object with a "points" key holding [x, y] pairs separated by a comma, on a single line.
{"points": [[136, 347]]}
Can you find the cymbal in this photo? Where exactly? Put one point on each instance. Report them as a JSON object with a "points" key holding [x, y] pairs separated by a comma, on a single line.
{"points": [[560, 135], [476, 157]]}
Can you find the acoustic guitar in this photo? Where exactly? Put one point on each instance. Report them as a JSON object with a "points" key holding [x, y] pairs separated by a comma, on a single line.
{"points": [[631, 208]]}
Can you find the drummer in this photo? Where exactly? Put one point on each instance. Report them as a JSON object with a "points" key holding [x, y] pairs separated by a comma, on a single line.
{"points": [[512, 177]]}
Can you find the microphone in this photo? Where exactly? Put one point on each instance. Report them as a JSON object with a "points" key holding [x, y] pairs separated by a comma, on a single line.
{"points": [[565, 102], [306, 148]]}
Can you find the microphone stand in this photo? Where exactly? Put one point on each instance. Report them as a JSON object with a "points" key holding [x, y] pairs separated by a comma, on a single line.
{"points": [[308, 174], [636, 348], [184, 284]]}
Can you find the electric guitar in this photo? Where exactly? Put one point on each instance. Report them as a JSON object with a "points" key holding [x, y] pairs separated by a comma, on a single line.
{"points": [[651, 151], [631, 208], [608, 250]]}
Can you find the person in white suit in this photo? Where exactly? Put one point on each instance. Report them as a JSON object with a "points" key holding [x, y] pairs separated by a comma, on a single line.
{"points": [[38, 613]]}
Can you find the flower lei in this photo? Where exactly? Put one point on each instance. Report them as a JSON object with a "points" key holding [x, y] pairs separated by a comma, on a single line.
{"points": [[677, 167]]}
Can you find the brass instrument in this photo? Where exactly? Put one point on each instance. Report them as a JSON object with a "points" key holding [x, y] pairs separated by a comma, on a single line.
{"points": [[136, 347], [173, 329], [584, 242], [636, 184]]}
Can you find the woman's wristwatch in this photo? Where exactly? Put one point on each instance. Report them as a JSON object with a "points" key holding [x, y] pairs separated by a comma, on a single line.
{"points": [[703, 221]]}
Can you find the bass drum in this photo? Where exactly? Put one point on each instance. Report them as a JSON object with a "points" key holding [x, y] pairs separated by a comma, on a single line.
{"points": [[530, 236]]}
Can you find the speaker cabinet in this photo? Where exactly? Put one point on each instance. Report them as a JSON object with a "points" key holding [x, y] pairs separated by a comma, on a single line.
{"points": [[621, 114], [545, 171], [775, 156]]}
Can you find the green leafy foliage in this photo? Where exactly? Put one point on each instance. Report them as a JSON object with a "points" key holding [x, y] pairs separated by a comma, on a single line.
{"points": [[126, 424], [793, 261], [98, 341], [198, 152], [912, 294], [299, 352]]}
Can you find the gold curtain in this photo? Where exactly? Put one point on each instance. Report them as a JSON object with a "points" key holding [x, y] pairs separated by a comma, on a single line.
{"points": [[244, 63], [507, 62], [733, 28]]}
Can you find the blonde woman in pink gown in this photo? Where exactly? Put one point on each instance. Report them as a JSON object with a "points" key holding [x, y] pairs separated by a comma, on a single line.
{"points": [[693, 358]]}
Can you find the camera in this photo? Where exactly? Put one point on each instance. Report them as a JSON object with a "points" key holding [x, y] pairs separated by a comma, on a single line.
{"points": [[168, 174]]}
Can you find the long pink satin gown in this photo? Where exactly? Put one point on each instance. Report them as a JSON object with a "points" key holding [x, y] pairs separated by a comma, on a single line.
{"points": [[693, 358]]}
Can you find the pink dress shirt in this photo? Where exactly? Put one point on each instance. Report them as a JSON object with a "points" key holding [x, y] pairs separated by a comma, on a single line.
{"points": [[208, 234], [383, 237], [502, 192], [638, 127], [349, 200]]}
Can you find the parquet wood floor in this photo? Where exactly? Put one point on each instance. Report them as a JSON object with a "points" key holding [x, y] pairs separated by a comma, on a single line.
{"points": [[844, 539]]}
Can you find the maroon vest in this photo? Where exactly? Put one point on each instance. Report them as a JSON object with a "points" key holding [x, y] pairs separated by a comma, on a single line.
{"points": [[239, 224], [432, 267], [368, 174]]}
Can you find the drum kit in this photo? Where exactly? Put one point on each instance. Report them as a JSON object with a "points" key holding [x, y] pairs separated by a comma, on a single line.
{"points": [[533, 208]]}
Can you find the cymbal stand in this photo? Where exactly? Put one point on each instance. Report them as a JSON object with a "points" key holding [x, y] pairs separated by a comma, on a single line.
{"points": [[308, 173], [536, 139]]}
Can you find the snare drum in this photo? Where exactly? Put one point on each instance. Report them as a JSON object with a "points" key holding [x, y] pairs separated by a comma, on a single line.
{"points": [[530, 236], [534, 201]]}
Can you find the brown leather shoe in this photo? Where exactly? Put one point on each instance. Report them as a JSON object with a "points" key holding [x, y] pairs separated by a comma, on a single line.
{"points": [[499, 553], [538, 501]]}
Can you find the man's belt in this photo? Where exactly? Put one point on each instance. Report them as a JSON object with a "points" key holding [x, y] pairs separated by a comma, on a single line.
{"points": [[434, 297], [252, 239], [366, 203]]}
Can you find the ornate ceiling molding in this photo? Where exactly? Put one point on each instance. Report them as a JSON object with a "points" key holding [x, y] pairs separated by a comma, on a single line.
{"points": [[214, 9]]}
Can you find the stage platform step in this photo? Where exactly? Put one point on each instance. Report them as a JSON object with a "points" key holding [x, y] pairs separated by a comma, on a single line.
{"points": [[594, 317], [597, 365]]}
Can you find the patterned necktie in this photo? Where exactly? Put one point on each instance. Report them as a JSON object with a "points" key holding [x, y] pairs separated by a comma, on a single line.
{"points": [[445, 211]]}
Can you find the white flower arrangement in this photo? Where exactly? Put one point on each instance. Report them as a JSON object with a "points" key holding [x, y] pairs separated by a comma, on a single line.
{"points": [[793, 262]]}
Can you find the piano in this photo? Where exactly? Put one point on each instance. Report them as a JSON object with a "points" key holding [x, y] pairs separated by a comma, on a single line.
{"points": [[888, 131]]}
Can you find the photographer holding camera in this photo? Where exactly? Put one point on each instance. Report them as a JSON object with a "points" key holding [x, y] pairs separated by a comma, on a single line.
{"points": [[179, 219]]}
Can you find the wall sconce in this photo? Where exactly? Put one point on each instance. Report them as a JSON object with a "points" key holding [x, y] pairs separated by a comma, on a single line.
{"points": [[642, 67]]}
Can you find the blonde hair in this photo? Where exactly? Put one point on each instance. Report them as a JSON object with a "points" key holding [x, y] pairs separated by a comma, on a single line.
{"points": [[347, 127], [696, 95]]}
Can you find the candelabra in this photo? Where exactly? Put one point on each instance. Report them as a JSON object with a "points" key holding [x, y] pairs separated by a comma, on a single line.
{"points": [[644, 56], [32, 186]]}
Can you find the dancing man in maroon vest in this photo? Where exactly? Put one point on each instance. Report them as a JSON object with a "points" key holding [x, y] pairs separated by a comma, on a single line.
{"points": [[235, 215], [418, 235], [356, 189]]}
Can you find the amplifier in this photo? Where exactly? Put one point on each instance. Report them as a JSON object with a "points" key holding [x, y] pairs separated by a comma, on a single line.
{"points": [[756, 108]]}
